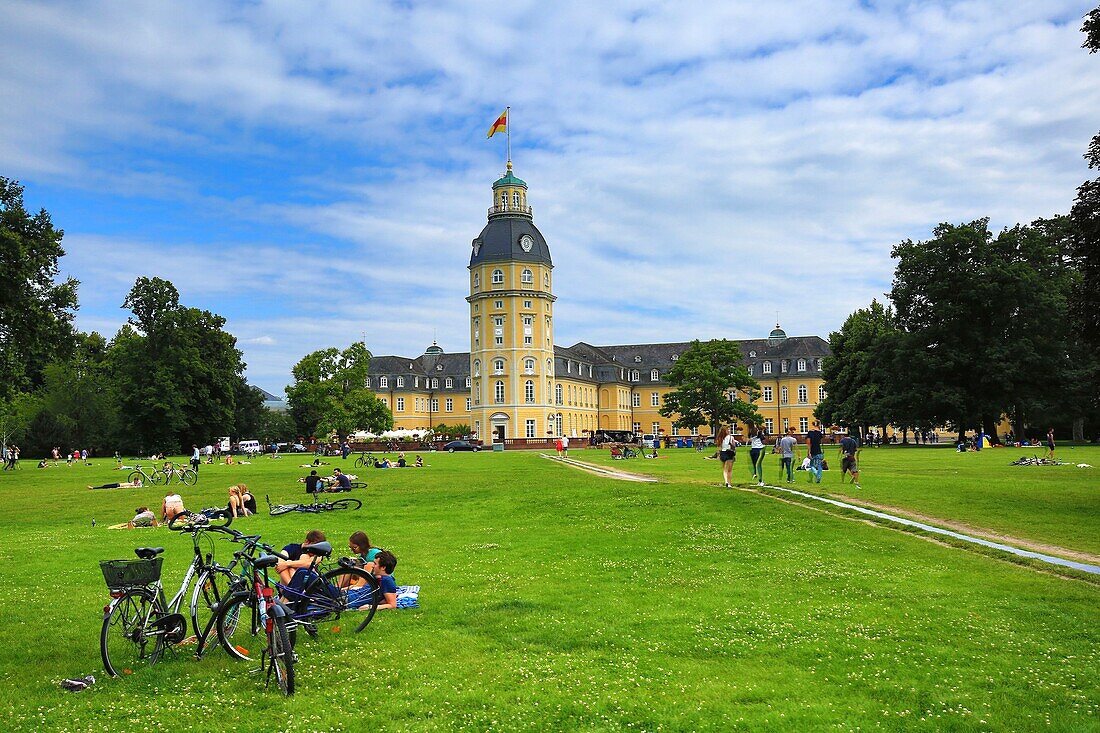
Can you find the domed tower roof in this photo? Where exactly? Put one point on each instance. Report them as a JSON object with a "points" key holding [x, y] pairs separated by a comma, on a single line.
{"points": [[777, 336], [435, 348], [511, 234]]}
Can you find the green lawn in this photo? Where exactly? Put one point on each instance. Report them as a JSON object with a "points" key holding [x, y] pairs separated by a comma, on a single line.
{"points": [[557, 600]]}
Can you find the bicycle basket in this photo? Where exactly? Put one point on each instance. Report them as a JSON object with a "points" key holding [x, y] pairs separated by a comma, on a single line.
{"points": [[122, 574]]}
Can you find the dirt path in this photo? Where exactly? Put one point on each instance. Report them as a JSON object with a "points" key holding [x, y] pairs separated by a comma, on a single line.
{"points": [[602, 470]]}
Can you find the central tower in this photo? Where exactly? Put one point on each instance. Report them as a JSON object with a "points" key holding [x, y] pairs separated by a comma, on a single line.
{"points": [[511, 320]]}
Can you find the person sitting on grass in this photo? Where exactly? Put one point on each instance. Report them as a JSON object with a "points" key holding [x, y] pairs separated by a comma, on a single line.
{"points": [[384, 463], [298, 558], [229, 459], [142, 518], [384, 565], [241, 501], [121, 485], [340, 480], [419, 462], [365, 552], [173, 505]]}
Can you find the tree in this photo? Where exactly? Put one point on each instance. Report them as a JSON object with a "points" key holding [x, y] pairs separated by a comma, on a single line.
{"points": [[329, 393], [36, 312], [178, 372], [709, 380], [862, 373]]}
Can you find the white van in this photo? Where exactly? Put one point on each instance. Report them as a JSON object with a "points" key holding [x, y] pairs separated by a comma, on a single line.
{"points": [[223, 443], [249, 447], [648, 439]]}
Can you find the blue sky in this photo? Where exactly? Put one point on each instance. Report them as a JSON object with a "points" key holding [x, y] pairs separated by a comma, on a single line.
{"points": [[315, 172]]}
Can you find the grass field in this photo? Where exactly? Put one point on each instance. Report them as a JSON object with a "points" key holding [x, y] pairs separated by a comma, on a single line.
{"points": [[557, 600]]}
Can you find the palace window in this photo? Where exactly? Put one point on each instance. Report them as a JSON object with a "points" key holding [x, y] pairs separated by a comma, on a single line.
{"points": [[655, 399], [527, 277], [818, 364], [801, 365], [526, 304], [498, 392], [498, 277], [803, 394], [656, 427], [449, 404], [654, 375], [529, 366], [803, 424], [498, 366], [529, 392], [559, 395], [400, 404], [766, 367], [383, 382], [449, 383], [477, 393], [637, 427], [469, 404], [467, 382], [769, 425], [434, 405], [530, 428], [636, 400], [767, 394], [498, 304], [515, 199], [477, 368], [821, 393], [786, 424], [435, 383], [400, 381], [635, 375], [783, 396]]}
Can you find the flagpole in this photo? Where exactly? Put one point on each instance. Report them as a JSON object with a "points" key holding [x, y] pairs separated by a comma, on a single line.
{"points": [[508, 131]]}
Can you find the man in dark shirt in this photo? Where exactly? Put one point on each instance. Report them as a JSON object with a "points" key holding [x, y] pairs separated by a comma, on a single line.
{"points": [[343, 483], [313, 483], [848, 449], [813, 445]]}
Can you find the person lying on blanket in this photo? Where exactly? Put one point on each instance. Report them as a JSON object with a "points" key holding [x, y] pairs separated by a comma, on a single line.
{"points": [[119, 485]]}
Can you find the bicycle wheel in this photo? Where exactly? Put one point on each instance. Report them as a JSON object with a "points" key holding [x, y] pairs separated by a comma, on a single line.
{"points": [[277, 509], [360, 462], [345, 504], [352, 590], [136, 476], [189, 477], [238, 626], [282, 656], [358, 484], [211, 590], [127, 640], [159, 477]]}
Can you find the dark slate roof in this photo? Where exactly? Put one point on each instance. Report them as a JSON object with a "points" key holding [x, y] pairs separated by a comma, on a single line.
{"points": [[499, 242]]}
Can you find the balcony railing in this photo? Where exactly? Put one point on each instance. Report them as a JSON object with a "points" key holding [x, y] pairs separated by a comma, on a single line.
{"points": [[509, 209]]}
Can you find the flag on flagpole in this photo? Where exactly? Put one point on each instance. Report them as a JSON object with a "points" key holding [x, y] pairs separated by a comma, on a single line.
{"points": [[501, 125]]}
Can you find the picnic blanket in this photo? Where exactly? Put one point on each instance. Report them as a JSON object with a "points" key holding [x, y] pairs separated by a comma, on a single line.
{"points": [[408, 596]]}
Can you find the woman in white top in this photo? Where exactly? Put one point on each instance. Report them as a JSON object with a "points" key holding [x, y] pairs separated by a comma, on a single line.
{"points": [[727, 454], [756, 454], [173, 505]]}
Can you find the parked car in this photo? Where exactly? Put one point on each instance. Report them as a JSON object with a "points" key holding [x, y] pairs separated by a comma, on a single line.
{"points": [[461, 445], [297, 448]]}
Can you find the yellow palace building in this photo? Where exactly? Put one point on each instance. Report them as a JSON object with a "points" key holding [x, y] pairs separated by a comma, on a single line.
{"points": [[515, 383]]}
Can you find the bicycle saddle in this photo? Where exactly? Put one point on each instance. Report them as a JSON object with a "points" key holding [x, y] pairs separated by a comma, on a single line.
{"points": [[324, 549], [148, 553], [266, 561]]}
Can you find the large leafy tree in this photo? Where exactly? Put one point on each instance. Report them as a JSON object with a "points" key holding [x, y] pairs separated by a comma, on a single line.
{"points": [[179, 373], [983, 318], [329, 393], [36, 311], [710, 382]]}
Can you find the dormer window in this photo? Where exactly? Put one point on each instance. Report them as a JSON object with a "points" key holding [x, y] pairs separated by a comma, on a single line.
{"points": [[654, 375], [637, 360], [783, 366], [439, 367], [752, 354], [383, 382], [449, 383], [801, 365], [366, 382], [766, 368], [400, 381], [675, 357]]}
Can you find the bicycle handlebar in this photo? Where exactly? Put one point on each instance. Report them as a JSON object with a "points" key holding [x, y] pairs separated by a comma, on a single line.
{"points": [[251, 541]]}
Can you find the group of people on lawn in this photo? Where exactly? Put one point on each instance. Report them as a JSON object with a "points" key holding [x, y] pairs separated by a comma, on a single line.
{"points": [[241, 503], [380, 563], [787, 447]]}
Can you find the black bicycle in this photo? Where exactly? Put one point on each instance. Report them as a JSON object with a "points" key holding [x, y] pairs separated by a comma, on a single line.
{"points": [[365, 459], [316, 507]]}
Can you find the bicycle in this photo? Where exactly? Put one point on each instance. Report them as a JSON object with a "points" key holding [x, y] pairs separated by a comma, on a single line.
{"points": [[138, 474], [138, 624], [365, 460], [268, 614], [187, 476], [316, 507]]}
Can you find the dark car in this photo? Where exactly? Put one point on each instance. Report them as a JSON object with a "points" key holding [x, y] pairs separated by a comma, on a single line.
{"points": [[297, 448], [461, 445]]}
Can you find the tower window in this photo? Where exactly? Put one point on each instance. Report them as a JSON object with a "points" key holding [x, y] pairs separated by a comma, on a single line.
{"points": [[498, 392], [477, 368], [529, 366], [527, 277], [529, 392], [498, 277], [477, 280], [498, 366], [515, 199]]}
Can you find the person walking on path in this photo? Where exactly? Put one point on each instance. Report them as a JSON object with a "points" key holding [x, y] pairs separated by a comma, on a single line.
{"points": [[849, 448], [565, 446], [787, 446], [756, 454], [813, 448], [1050, 444], [727, 454]]}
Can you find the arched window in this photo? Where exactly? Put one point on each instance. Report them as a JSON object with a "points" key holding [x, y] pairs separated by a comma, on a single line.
{"points": [[498, 277], [766, 367], [448, 383], [751, 370], [467, 382], [803, 394], [477, 393], [498, 392], [559, 396], [435, 383], [783, 396], [635, 375], [801, 365], [366, 382], [529, 392], [498, 366], [515, 199], [400, 381], [477, 367], [549, 366], [654, 375], [504, 199], [821, 393], [546, 279], [383, 382], [477, 280], [527, 277], [529, 366]]}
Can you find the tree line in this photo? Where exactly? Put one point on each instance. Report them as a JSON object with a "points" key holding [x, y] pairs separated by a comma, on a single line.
{"points": [[169, 378], [980, 325]]}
